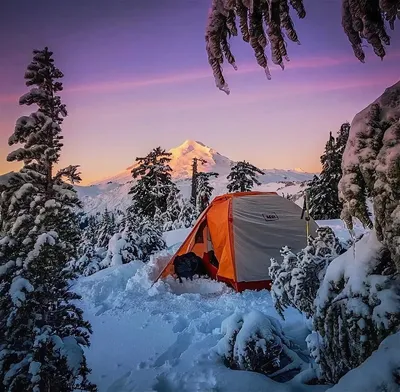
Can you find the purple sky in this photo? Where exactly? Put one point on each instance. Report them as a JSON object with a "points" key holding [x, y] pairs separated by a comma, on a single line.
{"points": [[136, 76]]}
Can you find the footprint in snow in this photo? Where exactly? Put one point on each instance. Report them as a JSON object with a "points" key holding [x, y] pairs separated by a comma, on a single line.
{"points": [[174, 352]]}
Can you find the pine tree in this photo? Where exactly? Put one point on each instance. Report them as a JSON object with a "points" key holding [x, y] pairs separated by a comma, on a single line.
{"points": [[195, 172], [169, 220], [187, 215], [324, 191], [89, 254], [204, 191], [154, 184], [267, 23], [140, 238], [359, 300], [150, 239], [242, 177], [89, 235], [40, 326], [106, 229]]}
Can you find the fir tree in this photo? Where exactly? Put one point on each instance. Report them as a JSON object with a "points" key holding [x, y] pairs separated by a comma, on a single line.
{"points": [[324, 191], [358, 301], [39, 323], [150, 238], [187, 214], [169, 220], [140, 238], [89, 254], [242, 177], [195, 172], [204, 191], [89, 236], [154, 184], [106, 229]]}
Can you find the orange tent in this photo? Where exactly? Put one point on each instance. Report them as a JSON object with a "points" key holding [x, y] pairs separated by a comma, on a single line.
{"points": [[245, 230]]}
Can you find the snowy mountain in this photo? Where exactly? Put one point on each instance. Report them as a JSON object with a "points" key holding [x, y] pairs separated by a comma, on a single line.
{"points": [[181, 164], [112, 192]]}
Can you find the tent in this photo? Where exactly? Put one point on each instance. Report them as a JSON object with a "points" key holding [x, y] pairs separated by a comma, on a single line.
{"points": [[244, 231]]}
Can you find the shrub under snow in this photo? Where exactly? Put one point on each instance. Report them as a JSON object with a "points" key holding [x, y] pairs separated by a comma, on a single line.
{"points": [[256, 342]]}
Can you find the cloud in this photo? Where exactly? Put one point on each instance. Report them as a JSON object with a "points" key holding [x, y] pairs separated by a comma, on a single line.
{"points": [[264, 94], [205, 73], [194, 75]]}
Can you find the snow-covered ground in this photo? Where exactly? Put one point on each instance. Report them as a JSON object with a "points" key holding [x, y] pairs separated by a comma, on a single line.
{"points": [[163, 337]]}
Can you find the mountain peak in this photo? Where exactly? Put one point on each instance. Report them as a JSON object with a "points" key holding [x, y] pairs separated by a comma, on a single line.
{"points": [[188, 146], [183, 155], [182, 160]]}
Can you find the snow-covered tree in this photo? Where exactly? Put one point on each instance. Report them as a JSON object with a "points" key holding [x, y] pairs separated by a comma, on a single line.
{"points": [[106, 229], [42, 330], [195, 172], [154, 183], [89, 254], [123, 247], [242, 177], [140, 238], [323, 190], [267, 22], [371, 163], [296, 280], [88, 236], [357, 307], [170, 217], [187, 215], [204, 191], [150, 239]]}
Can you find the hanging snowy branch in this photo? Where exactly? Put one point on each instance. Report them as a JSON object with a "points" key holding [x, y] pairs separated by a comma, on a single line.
{"points": [[264, 22]]}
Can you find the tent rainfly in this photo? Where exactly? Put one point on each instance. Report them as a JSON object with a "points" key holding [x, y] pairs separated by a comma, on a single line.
{"points": [[244, 231]]}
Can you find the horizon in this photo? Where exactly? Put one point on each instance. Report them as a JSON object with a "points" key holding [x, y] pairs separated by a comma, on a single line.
{"points": [[126, 171], [130, 87]]}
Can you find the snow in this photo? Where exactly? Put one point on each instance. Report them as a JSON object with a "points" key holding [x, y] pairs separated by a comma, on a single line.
{"points": [[34, 370], [43, 239], [247, 326], [358, 125], [17, 290], [164, 337], [353, 267]]}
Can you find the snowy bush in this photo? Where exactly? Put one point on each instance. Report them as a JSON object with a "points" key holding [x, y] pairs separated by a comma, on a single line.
{"points": [[357, 306], [140, 239], [122, 249], [256, 342], [296, 280]]}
